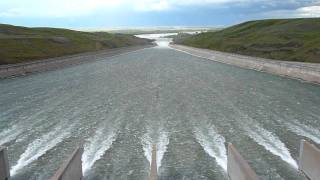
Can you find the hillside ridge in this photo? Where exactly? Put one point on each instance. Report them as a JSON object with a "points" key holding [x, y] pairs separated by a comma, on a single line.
{"points": [[22, 44], [279, 39]]}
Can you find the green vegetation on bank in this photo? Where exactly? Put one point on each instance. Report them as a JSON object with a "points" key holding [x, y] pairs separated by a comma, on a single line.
{"points": [[21, 44], [283, 39], [180, 37]]}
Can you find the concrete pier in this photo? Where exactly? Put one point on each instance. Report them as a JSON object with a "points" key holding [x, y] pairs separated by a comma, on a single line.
{"points": [[4, 164], [154, 170], [72, 168], [309, 161], [238, 168]]}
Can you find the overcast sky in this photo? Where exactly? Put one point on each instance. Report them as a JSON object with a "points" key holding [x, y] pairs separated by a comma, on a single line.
{"points": [[139, 13]]}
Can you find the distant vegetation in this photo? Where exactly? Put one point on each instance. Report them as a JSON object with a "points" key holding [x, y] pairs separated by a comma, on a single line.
{"points": [[160, 30], [21, 44], [285, 39], [180, 37]]}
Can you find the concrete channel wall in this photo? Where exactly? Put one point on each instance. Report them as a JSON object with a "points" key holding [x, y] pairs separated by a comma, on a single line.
{"points": [[60, 62], [4, 164], [154, 170], [72, 168], [238, 168], [309, 161], [305, 71]]}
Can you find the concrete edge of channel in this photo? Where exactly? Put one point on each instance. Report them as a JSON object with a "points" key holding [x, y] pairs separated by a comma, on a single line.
{"points": [[308, 72], [22, 69]]}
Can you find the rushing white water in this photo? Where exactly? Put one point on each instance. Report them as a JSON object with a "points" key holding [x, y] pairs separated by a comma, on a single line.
{"points": [[147, 146], [29, 121], [304, 130], [214, 144], [160, 39], [270, 142], [162, 147], [17, 129], [9, 134], [96, 147], [39, 147], [161, 143], [160, 88]]}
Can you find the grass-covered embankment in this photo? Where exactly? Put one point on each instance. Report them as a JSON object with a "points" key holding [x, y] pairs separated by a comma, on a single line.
{"points": [[284, 39], [22, 44]]}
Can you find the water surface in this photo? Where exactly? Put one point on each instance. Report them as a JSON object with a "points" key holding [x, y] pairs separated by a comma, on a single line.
{"points": [[190, 107]]}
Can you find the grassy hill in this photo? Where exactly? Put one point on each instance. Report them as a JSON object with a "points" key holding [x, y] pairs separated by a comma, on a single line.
{"points": [[283, 39], [21, 44]]}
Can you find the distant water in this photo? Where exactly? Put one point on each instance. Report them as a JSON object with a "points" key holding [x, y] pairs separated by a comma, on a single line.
{"points": [[189, 107], [162, 40]]}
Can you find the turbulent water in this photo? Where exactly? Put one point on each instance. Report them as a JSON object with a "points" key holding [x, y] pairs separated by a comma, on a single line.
{"points": [[190, 107]]}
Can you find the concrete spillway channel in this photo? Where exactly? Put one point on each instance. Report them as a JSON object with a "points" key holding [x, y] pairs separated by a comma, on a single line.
{"points": [[309, 72], [238, 167], [154, 172], [4, 165], [309, 161], [21, 69], [72, 168]]}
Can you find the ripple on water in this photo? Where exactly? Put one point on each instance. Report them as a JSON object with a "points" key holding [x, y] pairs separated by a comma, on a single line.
{"points": [[213, 143]]}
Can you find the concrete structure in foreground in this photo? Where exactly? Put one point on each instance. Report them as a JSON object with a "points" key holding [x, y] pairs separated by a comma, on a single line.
{"points": [[154, 170], [238, 168], [72, 168], [309, 161], [4, 164], [305, 71], [64, 61]]}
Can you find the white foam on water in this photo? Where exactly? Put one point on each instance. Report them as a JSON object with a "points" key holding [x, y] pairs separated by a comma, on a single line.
{"points": [[304, 130], [20, 127], [96, 148], [147, 146], [160, 39], [39, 147], [28, 122], [213, 144], [270, 142], [163, 42], [155, 36], [162, 147], [9, 134], [161, 143]]}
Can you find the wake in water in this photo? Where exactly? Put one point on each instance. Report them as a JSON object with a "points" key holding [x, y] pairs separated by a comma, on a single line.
{"points": [[304, 130], [214, 144], [270, 142], [96, 147], [162, 142], [9, 135], [39, 147], [20, 127], [162, 147], [102, 140], [147, 146]]}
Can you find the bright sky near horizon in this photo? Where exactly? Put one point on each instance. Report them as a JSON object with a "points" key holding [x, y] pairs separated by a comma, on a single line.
{"points": [[146, 13]]}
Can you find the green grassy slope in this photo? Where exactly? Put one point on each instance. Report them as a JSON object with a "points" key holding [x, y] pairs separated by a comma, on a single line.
{"points": [[21, 44], [284, 39]]}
